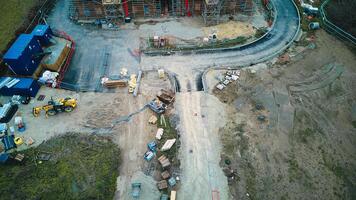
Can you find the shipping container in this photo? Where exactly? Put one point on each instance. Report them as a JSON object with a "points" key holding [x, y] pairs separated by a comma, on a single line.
{"points": [[25, 87], [43, 34], [23, 57]]}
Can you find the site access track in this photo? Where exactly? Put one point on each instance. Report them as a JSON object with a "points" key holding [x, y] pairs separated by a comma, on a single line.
{"points": [[282, 34]]}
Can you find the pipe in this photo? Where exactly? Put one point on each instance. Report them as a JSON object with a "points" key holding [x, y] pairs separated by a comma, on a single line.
{"points": [[138, 83], [126, 8], [187, 8]]}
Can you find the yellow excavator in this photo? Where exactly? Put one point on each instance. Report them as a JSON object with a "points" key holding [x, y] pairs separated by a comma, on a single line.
{"points": [[53, 107]]}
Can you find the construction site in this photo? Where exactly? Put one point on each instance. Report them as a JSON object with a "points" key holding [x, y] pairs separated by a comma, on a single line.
{"points": [[176, 99], [114, 11]]}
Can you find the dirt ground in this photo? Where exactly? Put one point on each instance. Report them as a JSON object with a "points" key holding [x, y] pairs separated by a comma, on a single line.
{"points": [[305, 146], [230, 30], [105, 114], [201, 115]]}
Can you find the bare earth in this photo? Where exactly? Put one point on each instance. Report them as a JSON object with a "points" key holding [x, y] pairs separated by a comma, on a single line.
{"points": [[200, 150], [305, 148]]}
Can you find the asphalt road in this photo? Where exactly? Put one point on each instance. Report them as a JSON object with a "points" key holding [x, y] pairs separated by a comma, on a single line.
{"points": [[283, 32], [103, 53]]}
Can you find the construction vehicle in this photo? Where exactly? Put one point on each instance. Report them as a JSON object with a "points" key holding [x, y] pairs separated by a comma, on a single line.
{"points": [[53, 107], [157, 106], [148, 155]]}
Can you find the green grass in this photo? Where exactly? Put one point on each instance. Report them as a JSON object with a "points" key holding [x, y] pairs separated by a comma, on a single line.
{"points": [[13, 14], [168, 133], [81, 167], [305, 135]]}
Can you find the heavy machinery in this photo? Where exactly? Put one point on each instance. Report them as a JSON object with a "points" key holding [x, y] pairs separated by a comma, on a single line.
{"points": [[53, 107]]}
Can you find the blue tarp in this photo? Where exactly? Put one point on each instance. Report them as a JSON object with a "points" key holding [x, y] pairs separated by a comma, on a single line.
{"points": [[43, 33], [40, 30]]}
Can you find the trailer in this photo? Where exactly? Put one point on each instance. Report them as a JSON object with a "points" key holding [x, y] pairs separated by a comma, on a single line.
{"points": [[136, 190]]}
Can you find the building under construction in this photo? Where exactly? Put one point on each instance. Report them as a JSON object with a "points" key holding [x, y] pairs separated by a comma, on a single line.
{"points": [[107, 11]]}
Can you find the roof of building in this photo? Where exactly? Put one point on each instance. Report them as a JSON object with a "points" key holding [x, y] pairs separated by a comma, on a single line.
{"points": [[23, 83], [18, 46], [9, 142], [40, 30]]}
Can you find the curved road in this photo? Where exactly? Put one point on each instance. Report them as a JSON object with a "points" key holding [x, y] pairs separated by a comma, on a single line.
{"points": [[283, 32]]}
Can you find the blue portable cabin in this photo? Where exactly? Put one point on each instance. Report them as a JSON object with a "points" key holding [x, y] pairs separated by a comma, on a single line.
{"points": [[4, 157], [9, 142], [21, 57], [43, 34], [25, 87]]}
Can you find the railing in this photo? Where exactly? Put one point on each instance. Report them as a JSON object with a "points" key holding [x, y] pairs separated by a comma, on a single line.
{"points": [[68, 59], [332, 28]]}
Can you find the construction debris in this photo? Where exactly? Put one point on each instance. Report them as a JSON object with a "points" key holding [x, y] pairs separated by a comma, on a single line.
{"points": [[284, 59], [132, 83], [168, 144], [123, 72], [230, 76], [29, 141], [19, 157]]}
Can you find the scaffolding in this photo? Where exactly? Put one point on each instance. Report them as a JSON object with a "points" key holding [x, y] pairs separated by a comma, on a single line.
{"points": [[90, 11], [211, 11], [115, 10]]}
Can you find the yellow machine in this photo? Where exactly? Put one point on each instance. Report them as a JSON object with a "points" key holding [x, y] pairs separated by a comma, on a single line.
{"points": [[54, 107]]}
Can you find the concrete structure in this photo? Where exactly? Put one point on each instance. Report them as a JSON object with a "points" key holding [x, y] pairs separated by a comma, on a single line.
{"points": [[107, 11]]}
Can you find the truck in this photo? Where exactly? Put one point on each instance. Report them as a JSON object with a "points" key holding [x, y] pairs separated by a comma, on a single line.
{"points": [[136, 190]]}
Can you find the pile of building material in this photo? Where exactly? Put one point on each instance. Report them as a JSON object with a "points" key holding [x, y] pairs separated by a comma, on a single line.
{"points": [[162, 184], [159, 133], [152, 120], [132, 83], [164, 161], [230, 76], [168, 144], [166, 96], [115, 83]]}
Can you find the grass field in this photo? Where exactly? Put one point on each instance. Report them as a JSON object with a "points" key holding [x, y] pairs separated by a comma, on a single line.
{"points": [[13, 14], [81, 167]]}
